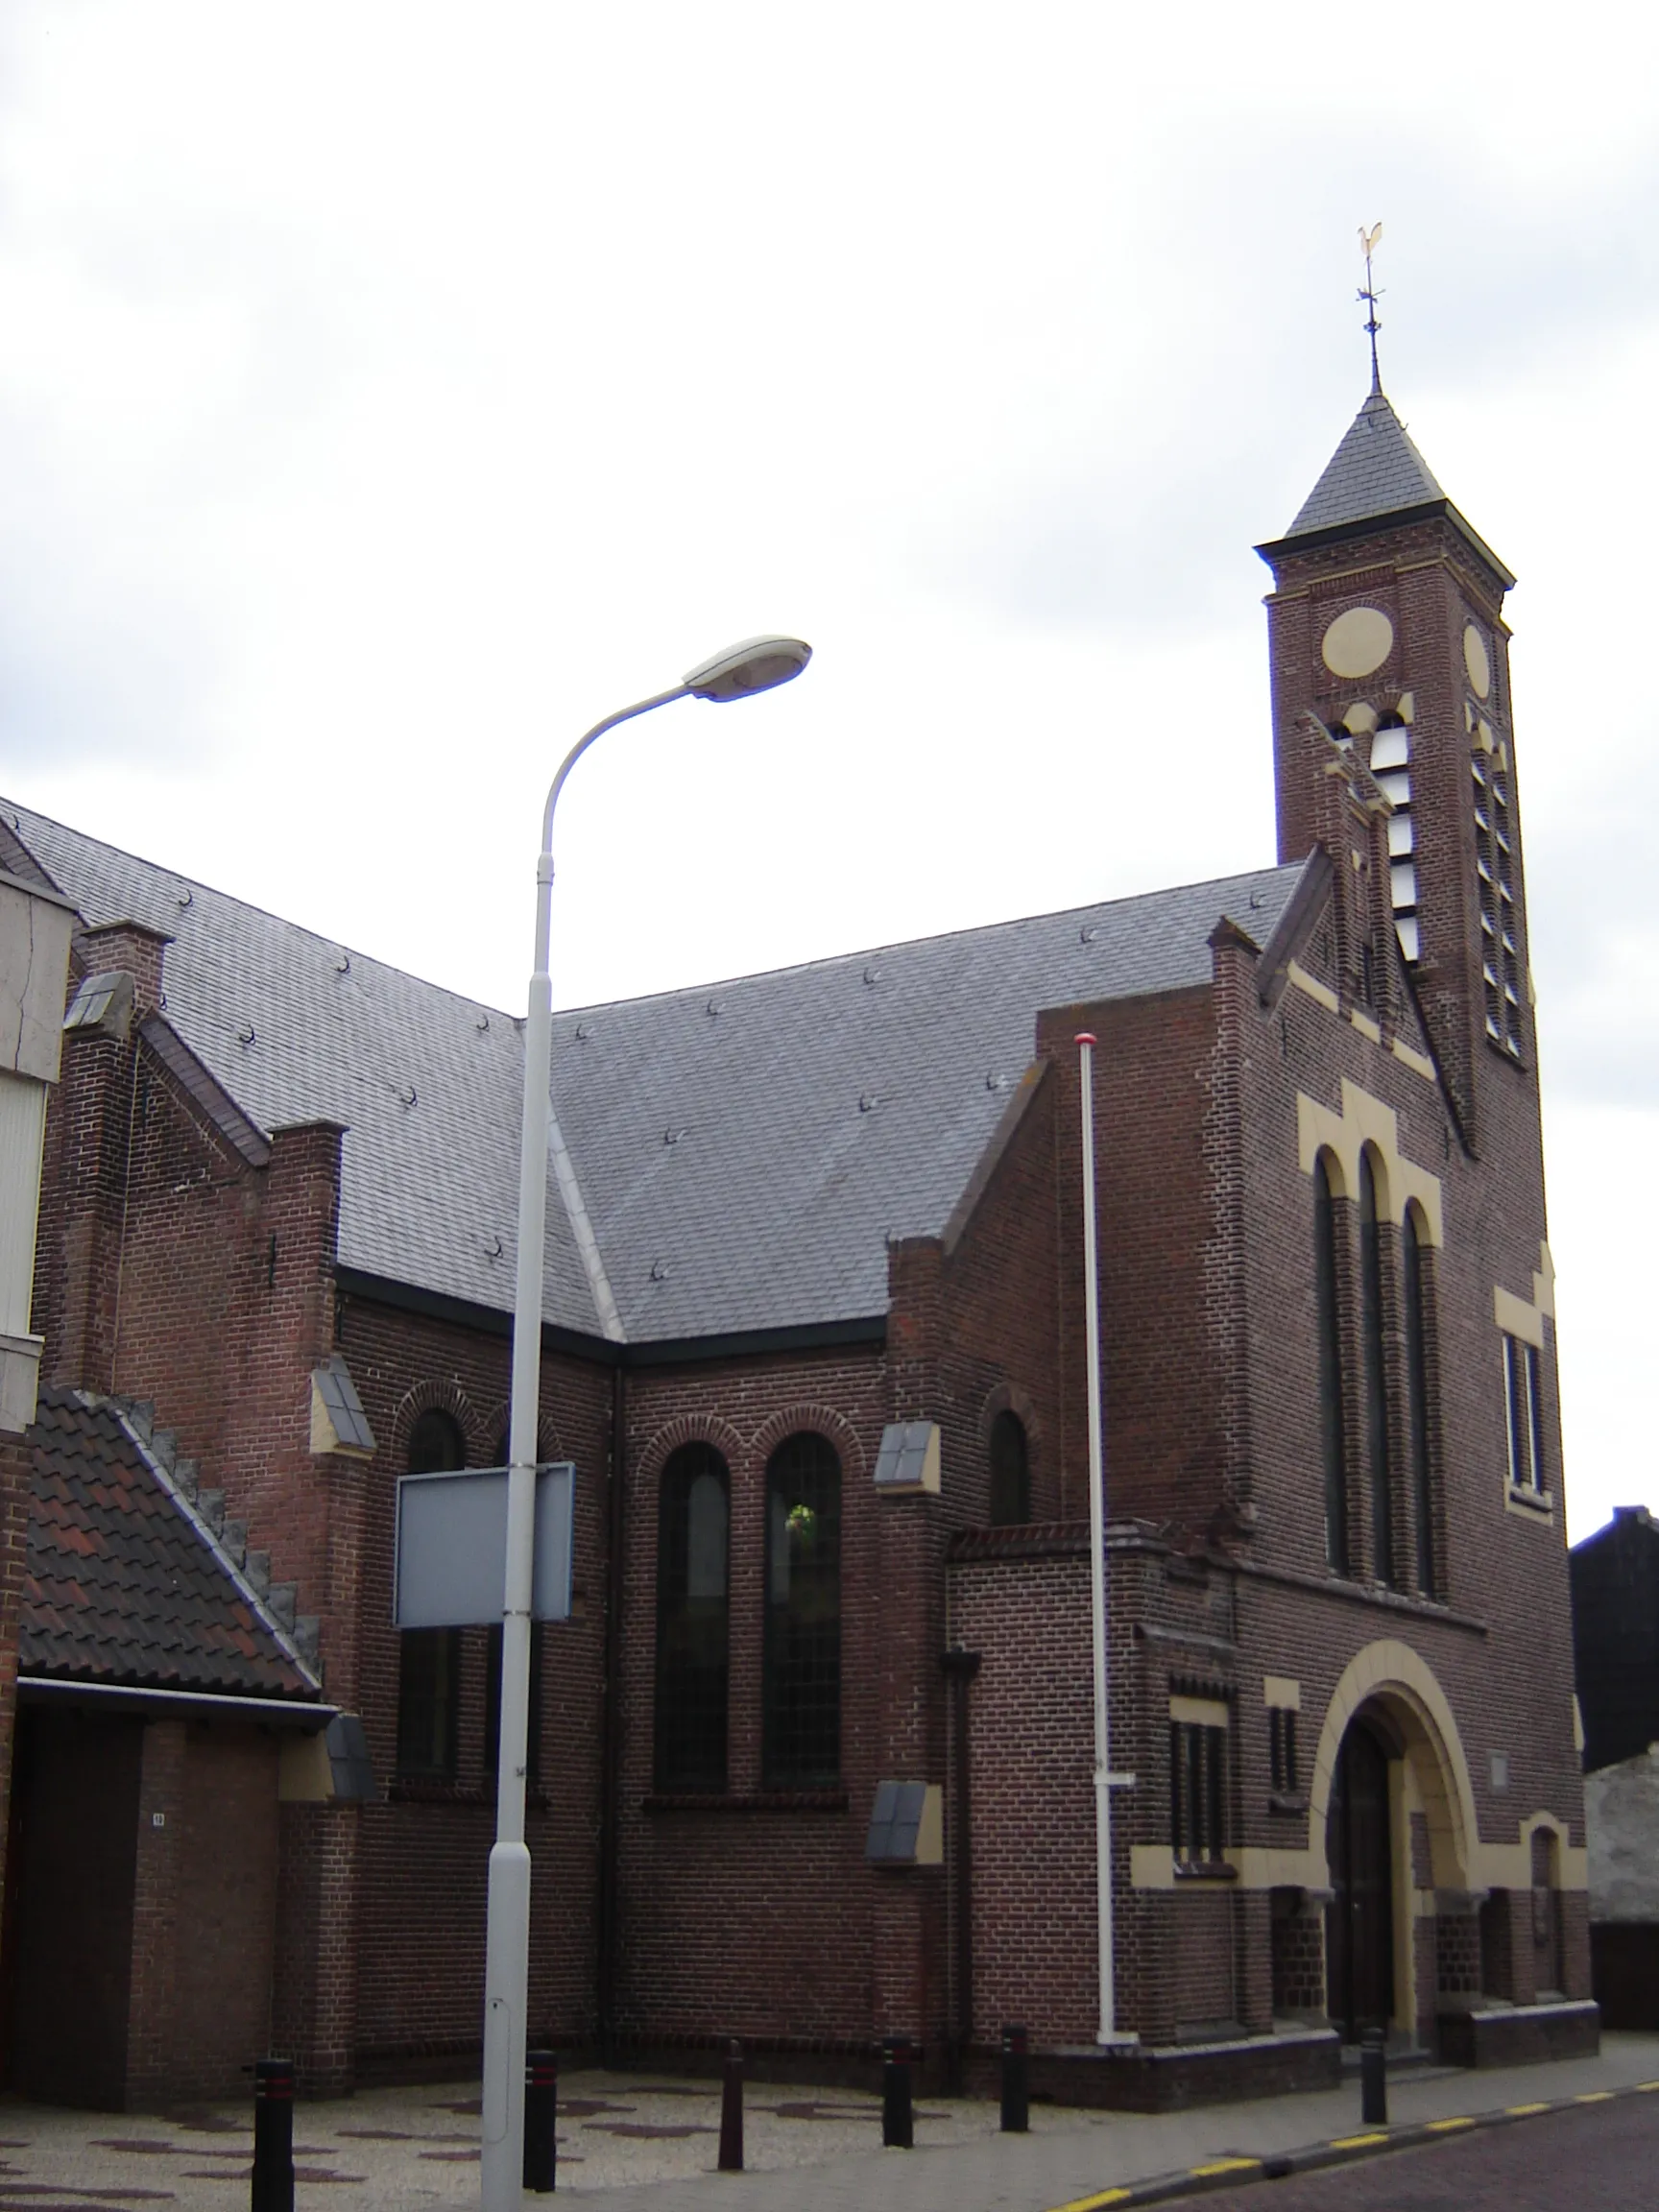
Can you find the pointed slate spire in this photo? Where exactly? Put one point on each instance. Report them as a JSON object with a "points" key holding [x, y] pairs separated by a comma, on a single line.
{"points": [[1376, 470]]}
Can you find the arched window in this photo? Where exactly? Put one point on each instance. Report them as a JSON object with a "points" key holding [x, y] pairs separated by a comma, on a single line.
{"points": [[429, 1659], [1415, 1314], [1372, 1323], [1010, 1473], [802, 1689], [1327, 1319], [694, 1516]]}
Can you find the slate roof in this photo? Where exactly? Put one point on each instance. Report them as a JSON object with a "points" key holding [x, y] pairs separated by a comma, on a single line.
{"points": [[1374, 470], [744, 1149], [121, 1585]]}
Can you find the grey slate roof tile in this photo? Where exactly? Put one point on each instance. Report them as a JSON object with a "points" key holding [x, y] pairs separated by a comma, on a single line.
{"points": [[1374, 470], [775, 1200]]}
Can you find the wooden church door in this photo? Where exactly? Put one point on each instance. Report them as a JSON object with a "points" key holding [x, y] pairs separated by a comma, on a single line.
{"points": [[1359, 1921]]}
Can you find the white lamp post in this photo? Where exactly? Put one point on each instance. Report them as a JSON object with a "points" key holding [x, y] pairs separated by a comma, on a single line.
{"points": [[757, 665]]}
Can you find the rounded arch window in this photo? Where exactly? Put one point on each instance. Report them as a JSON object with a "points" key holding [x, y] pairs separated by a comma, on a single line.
{"points": [[1010, 1472], [692, 1620], [429, 1659], [800, 1727]]}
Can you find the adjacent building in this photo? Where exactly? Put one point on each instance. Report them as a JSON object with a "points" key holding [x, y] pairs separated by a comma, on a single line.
{"points": [[813, 1762]]}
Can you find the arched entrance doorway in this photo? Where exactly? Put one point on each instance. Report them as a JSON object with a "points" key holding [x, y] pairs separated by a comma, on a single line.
{"points": [[1359, 1919]]}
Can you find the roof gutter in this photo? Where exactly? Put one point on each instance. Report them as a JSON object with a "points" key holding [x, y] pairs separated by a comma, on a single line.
{"points": [[211, 1705], [605, 1352]]}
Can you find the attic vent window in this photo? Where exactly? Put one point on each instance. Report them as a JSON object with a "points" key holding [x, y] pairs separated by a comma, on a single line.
{"points": [[102, 1003], [909, 1459]]}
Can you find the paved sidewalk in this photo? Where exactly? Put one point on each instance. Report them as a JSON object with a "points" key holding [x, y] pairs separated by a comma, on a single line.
{"points": [[649, 2142]]}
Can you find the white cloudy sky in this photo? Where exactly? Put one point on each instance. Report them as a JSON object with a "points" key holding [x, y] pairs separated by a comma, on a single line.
{"points": [[387, 391]]}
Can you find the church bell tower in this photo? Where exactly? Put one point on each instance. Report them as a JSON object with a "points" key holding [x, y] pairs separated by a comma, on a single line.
{"points": [[1386, 623]]}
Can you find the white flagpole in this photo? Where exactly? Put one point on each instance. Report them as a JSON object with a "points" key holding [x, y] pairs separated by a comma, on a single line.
{"points": [[1104, 1779]]}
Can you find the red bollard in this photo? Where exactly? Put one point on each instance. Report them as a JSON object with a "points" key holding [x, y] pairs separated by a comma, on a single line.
{"points": [[732, 2110]]}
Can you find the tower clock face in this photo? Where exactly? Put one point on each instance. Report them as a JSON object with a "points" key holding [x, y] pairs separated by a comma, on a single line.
{"points": [[1356, 643], [1477, 659]]}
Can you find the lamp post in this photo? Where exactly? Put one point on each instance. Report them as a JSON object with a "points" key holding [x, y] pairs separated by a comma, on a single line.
{"points": [[757, 665]]}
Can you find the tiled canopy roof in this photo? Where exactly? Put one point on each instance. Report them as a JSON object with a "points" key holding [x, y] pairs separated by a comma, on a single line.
{"points": [[121, 1585], [1376, 470], [744, 1150]]}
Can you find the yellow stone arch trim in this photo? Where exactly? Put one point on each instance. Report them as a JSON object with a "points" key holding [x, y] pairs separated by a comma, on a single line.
{"points": [[1401, 1678], [1366, 1121], [1402, 1681]]}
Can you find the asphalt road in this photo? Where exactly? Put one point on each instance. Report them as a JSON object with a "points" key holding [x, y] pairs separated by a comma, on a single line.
{"points": [[1600, 2158]]}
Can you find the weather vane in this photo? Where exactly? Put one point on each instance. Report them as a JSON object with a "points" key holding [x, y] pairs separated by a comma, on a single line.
{"points": [[1368, 246]]}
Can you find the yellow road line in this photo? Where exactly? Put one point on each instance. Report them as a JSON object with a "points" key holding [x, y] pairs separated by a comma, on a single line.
{"points": [[1647, 2084], [1594, 2097], [1224, 2166], [1357, 2142], [1440, 2126], [1093, 2204], [1519, 2111]]}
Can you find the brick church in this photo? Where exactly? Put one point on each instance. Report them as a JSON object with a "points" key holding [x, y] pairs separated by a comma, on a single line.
{"points": [[815, 1341]]}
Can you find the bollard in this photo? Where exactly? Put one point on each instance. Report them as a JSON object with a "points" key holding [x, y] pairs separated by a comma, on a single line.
{"points": [[732, 2110], [897, 2126], [1016, 2082], [540, 2121], [273, 2175], [1373, 2080]]}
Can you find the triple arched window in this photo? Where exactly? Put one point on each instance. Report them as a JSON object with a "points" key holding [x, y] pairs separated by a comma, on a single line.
{"points": [[1376, 1374], [801, 1619]]}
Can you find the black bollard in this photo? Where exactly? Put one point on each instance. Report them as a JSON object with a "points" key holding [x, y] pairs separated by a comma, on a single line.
{"points": [[732, 2110], [1373, 2080], [272, 2175], [898, 2130], [1016, 2082], [540, 2121]]}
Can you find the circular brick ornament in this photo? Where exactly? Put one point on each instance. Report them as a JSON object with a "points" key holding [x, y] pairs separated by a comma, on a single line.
{"points": [[1357, 641]]}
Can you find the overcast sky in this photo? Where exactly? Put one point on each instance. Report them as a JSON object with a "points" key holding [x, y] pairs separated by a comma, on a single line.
{"points": [[389, 390]]}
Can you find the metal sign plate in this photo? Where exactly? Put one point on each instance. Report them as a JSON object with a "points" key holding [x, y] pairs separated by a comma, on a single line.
{"points": [[449, 1564]]}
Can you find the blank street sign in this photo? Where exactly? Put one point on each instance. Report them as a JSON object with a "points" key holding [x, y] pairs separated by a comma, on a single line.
{"points": [[449, 1569]]}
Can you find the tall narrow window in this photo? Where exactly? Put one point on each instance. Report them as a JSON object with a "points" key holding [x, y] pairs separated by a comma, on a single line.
{"points": [[801, 1693], [1328, 1321], [1524, 1412], [429, 1659], [1415, 1292], [1010, 1473], [1371, 1327], [692, 1620], [1197, 1793]]}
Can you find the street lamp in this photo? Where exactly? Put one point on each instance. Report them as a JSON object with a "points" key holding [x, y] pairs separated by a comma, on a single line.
{"points": [[757, 665]]}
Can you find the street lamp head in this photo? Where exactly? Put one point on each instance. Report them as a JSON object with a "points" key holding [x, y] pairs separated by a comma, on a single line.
{"points": [[757, 665]]}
